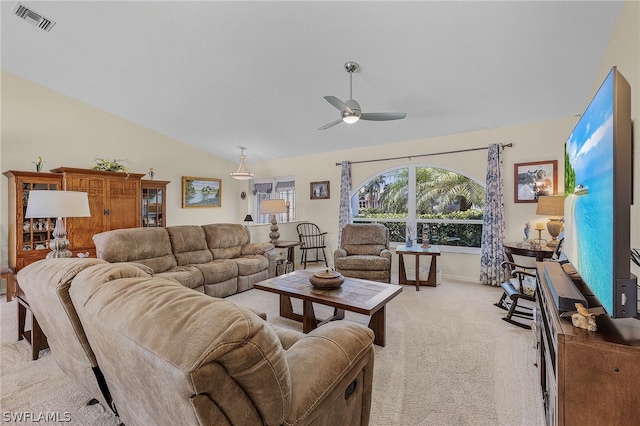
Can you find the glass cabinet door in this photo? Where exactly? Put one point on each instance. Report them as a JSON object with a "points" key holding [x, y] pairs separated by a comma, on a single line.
{"points": [[152, 207], [36, 233]]}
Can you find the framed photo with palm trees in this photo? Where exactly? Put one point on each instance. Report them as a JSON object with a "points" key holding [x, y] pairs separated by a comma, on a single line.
{"points": [[319, 190], [201, 192]]}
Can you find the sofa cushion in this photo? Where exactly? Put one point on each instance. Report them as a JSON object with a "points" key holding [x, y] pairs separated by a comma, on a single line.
{"points": [[148, 246], [188, 276], [218, 271], [188, 244], [252, 264], [363, 262], [364, 233], [358, 249], [225, 240]]}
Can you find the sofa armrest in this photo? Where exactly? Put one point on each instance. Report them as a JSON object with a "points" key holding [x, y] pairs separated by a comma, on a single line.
{"points": [[386, 253], [339, 253], [324, 361], [256, 248]]}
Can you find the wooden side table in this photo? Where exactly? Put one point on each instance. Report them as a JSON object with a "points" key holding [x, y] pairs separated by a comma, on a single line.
{"points": [[520, 249], [417, 251], [291, 250]]}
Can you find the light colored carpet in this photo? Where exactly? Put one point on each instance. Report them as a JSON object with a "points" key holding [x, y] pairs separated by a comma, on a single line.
{"points": [[449, 360]]}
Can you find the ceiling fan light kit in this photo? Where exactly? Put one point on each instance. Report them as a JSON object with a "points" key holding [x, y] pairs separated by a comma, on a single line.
{"points": [[242, 173], [350, 111]]}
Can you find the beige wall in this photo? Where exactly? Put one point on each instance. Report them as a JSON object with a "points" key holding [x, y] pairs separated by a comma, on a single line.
{"points": [[39, 122]]}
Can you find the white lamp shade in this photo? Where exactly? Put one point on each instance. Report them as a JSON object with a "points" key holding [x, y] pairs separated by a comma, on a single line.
{"points": [[273, 206], [43, 204]]}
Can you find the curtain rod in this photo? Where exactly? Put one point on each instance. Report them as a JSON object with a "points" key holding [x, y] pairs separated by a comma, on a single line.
{"points": [[509, 145]]}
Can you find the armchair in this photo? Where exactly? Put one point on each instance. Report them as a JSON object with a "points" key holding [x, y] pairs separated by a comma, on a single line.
{"points": [[364, 252]]}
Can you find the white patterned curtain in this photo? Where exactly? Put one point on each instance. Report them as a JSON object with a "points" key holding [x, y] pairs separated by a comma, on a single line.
{"points": [[492, 251], [344, 216]]}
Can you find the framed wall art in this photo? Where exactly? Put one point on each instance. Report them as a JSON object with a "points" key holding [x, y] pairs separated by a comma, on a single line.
{"points": [[319, 190], [201, 192], [532, 180]]}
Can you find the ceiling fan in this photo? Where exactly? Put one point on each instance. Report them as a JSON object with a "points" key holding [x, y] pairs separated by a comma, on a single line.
{"points": [[350, 110]]}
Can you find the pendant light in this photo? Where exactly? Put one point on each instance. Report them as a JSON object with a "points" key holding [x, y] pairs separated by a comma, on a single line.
{"points": [[242, 173]]}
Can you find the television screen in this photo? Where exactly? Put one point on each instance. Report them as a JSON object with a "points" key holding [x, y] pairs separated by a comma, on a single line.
{"points": [[598, 161]]}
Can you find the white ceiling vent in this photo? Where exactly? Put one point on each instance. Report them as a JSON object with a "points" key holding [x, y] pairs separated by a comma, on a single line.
{"points": [[32, 17]]}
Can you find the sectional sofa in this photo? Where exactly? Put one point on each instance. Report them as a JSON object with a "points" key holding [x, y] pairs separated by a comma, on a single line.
{"points": [[216, 259], [158, 353]]}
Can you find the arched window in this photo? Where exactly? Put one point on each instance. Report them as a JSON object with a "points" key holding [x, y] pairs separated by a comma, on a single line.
{"points": [[412, 199]]}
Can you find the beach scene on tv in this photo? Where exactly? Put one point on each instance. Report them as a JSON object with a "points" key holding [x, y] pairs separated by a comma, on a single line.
{"points": [[589, 191]]}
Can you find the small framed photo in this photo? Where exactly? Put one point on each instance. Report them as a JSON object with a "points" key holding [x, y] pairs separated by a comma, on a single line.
{"points": [[319, 190], [532, 180], [201, 192]]}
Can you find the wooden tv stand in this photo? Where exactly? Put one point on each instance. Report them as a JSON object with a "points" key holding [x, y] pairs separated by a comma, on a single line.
{"points": [[586, 377]]}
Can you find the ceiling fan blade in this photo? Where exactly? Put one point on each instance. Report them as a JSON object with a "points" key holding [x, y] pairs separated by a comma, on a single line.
{"points": [[382, 116], [338, 103], [333, 123]]}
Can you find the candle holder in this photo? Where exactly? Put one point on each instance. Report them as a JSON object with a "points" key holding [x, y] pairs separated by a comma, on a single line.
{"points": [[540, 228]]}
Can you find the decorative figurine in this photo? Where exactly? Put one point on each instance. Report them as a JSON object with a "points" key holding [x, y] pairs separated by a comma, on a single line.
{"points": [[527, 227], [583, 318], [39, 163], [425, 236]]}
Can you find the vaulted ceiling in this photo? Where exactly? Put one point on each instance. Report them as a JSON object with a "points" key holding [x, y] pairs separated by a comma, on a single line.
{"points": [[225, 75]]}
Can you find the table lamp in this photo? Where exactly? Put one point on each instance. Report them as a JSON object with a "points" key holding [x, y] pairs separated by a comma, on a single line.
{"points": [[58, 204], [273, 207], [552, 205], [248, 219]]}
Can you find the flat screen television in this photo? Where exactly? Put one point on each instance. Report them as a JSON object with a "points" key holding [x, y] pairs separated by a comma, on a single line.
{"points": [[598, 190]]}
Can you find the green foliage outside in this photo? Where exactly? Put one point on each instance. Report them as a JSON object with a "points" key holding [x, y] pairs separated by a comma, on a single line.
{"points": [[452, 234], [438, 191]]}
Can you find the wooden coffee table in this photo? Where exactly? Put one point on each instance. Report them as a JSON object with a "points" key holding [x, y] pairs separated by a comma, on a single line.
{"points": [[354, 295]]}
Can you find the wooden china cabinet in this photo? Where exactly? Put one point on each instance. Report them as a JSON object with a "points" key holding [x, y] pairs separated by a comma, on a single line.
{"points": [[115, 201], [153, 202]]}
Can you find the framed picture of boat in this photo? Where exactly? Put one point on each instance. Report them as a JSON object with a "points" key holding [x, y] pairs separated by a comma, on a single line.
{"points": [[532, 180], [201, 192]]}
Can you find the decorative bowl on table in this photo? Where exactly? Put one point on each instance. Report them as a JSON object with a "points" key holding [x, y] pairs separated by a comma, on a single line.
{"points": [[326, 279]]}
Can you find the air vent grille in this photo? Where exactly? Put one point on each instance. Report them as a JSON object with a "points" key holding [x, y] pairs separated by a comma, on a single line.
{"points": [[33, 18]]}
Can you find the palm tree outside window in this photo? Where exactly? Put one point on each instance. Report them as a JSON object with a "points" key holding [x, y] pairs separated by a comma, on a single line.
{"points": [[449, 204]]}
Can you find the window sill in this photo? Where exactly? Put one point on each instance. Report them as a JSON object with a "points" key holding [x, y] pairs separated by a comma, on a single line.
{"points": [[449, 249]]}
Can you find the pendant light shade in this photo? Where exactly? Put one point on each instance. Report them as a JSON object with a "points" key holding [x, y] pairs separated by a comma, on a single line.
{"points": [[242, 173]]}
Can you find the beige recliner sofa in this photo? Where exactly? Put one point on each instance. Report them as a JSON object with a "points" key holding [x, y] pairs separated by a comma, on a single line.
{"points": [[216, 259], [170, 355], [364, 252], [46, 286]]}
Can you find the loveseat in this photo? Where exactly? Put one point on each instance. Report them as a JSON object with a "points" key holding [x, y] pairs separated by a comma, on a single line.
{"points": [[216, 259], [164, 354]]}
